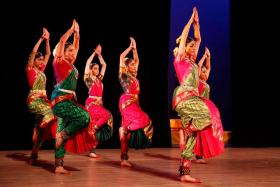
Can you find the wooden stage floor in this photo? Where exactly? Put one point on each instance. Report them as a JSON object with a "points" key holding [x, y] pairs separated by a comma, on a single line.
{"points": [[154, 167]]}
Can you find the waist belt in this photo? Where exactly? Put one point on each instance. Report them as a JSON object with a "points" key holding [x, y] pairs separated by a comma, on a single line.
{"points": [[43, 92], [94, 97], [63, 98], [68, 91]]}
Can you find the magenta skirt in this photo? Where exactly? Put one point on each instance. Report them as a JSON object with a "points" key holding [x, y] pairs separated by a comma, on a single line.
{"points": [[132, 114], [209, 141]]}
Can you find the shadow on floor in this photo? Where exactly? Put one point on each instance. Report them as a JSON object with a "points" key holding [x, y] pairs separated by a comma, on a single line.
{"points": [[39, 163]]}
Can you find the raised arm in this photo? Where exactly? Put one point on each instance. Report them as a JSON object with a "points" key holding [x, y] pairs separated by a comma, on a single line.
{"points": [[59, 51], [101, 60], [134, 51], [184, 35], [208, 62], [206, 56], [46, 36], [122, 67], [196, 27], [34, 51], [197, 36], [87, 70], [76, 42], [201, 61]]}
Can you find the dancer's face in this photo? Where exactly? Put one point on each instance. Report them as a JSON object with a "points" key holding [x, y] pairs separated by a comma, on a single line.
{"points": [[38, 62], [132, 67], [203, 74], [190, 49], [69, 53], [95, 70]]}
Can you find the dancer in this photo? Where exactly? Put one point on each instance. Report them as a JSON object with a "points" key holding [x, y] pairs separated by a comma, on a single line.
{"points": [[37, 100], [199, 116], [72, 117], [101, 127], [204, 72], [136, 129], [203, 87]]}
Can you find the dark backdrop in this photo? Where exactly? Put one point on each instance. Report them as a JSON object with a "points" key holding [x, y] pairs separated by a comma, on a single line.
{"points": [[255, 70], [110, 24]]}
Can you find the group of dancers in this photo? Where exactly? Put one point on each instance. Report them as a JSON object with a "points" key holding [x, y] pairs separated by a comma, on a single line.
{"points": [[78, 128]]}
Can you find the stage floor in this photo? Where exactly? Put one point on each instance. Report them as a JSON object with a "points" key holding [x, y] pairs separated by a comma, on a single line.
{"points": [[237, 167]]}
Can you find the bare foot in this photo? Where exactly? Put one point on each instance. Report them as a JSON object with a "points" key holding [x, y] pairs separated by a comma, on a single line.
{"points": [[61, 170], [200, 161], [125, 163], [188, 178], [33, 158], [93, 155]]}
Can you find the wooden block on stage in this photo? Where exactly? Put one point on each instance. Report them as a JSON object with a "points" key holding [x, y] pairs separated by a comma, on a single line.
{"points": [[227, 136], [175, 125]]}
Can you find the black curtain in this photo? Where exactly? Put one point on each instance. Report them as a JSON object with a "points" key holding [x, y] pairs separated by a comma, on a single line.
{"points": [[108, 23], [255, 39]]}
